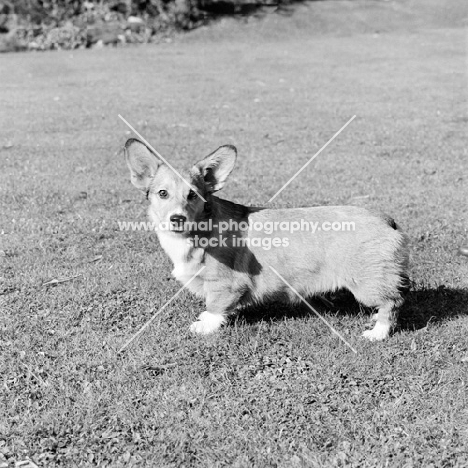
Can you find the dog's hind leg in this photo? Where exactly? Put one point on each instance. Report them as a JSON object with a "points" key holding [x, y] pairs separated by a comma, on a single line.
{"points": [[387, 314], [385, 322], [387, 299]]}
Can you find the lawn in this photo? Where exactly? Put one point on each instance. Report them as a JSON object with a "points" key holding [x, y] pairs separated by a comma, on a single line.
{"points": [[274, 387]]}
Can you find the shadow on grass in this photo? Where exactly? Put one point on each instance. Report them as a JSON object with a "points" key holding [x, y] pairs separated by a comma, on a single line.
{"points": [[422, 306], [433, 305], [343, 302]]}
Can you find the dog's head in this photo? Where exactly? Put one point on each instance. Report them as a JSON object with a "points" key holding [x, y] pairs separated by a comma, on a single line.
{"points": [[177, 200]]}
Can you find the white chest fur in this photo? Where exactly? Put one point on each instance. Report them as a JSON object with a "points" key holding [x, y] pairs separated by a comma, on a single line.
{"points": [[187, 260]]}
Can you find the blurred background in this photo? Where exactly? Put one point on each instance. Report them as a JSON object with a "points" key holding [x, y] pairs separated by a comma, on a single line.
{"points": [[71, 24]]}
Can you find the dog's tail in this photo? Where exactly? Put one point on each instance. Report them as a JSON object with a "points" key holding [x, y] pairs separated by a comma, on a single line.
{"points": [[391, 222]]}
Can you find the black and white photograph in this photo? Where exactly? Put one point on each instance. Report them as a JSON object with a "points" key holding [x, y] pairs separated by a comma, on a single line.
{"points": [[234, 233]]}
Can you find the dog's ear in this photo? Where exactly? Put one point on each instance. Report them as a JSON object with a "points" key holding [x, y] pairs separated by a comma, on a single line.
{"points": [[216, 167], [142, 163]]}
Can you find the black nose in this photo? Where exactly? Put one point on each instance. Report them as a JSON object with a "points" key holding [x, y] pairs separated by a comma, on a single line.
{"points": [[178, 219]]}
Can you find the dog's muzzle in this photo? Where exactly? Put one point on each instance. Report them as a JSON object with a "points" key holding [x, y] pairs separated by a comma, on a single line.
{"points": [[177, 222]]}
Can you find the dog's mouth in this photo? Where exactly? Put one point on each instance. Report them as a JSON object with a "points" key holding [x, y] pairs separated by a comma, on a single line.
{"points": [[177, 227]]}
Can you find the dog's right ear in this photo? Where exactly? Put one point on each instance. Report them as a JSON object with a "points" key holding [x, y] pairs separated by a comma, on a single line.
{"points": [[142, 163]]}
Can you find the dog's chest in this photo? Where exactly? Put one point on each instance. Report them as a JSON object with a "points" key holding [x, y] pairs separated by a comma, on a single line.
{"points": [[187, 261]]}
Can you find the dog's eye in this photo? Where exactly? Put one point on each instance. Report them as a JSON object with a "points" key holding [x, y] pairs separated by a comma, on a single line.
{"points": [[192, 195], [163, 194]]}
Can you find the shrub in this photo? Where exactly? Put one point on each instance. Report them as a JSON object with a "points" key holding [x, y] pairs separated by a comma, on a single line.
{"points": [[68, 24]]}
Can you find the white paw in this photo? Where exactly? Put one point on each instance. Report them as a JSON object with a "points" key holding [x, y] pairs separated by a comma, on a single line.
{"points": [[378, 333], [207, 323]]}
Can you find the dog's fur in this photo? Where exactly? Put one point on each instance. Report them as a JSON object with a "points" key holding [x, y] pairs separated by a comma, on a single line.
{"points": [[370, 261]]}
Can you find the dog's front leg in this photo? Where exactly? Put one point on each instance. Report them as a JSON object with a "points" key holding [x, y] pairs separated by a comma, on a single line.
{"points": [[220, 302]]}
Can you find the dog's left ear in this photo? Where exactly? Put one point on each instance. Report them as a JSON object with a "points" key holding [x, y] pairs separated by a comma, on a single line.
{"points": [[143, 164], [216, 167]]}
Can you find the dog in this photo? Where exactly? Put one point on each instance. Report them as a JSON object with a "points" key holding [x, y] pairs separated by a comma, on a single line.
{"points": [[242, 264]]}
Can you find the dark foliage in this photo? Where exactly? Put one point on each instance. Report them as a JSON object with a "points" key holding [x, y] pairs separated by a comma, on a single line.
{"points": [[68, 24]]}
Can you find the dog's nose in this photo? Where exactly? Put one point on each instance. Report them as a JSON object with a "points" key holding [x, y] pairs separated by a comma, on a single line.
{"points": [[178, 219]]}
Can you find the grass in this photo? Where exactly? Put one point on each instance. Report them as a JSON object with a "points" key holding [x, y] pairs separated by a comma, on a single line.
{"points": [[275, 387]]}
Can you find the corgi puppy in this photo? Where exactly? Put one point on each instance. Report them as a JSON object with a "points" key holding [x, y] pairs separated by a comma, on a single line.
{"points": [[250, 255]]}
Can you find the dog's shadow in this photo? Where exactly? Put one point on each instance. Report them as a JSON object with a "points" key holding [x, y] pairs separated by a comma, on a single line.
{"points": [[421, 307]]}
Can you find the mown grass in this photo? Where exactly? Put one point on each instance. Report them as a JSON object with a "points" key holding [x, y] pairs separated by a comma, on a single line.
{"points": [[275, 387]]}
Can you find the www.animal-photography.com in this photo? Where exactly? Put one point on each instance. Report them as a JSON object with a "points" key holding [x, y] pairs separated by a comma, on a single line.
{"points": [[233, 233]]}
